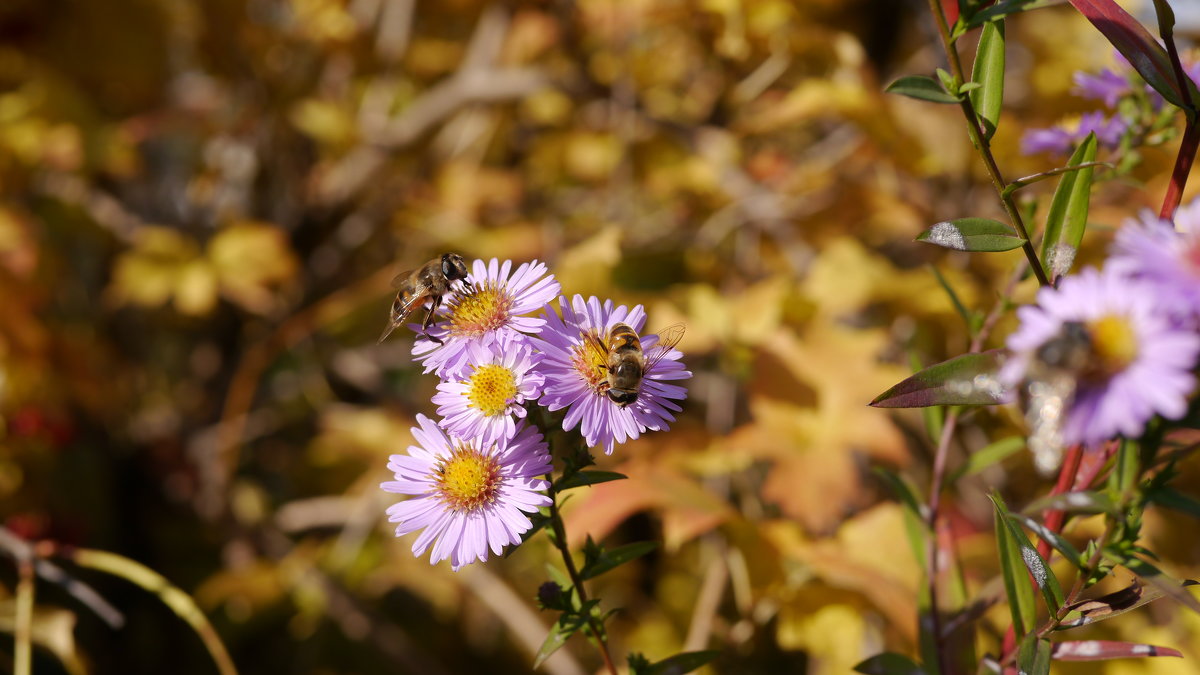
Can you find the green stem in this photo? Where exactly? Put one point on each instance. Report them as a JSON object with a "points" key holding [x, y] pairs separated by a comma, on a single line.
{"points": [[560, 542], [981, 144]]}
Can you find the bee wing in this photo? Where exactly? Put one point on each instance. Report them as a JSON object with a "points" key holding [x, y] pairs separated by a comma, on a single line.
{"points": [[417, 298], [399, 279], [667, 339]]}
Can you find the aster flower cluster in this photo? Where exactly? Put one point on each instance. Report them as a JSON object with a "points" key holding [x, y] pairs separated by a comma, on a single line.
{"points": [[504, 344], [1125, 339], [1134, 112]]}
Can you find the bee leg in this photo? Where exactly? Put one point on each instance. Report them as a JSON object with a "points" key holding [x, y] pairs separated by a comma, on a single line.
{"points": [[429, 320]]}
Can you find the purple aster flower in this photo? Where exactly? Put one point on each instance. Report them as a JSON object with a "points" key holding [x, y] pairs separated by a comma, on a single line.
{"points": [[468, 496], [490, 316], [484, 404], [577, 376], [1062, 139], [1105, 86], [1127, 359], [1053, 140], [1168, 256]]}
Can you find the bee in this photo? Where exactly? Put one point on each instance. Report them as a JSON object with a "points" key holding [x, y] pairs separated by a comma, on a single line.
{"points": [[624, 361], [1051, 381], [428, 283]]}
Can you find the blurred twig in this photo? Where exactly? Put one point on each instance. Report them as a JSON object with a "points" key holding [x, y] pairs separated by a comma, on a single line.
{"points": [[19, 549], [179, 602], [23, 630]]}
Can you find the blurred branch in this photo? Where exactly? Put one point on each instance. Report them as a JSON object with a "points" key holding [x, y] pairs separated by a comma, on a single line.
{"points": [[19, 549], [712, 589], [179, 602], [476, 81], [23, 629], [101, 207]]}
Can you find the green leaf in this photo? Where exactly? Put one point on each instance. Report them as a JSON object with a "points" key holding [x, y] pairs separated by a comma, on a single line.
{"points": [[1075, 502], [1016, 580], [1042, 575], [988, 455], [1068, 212], [972, 320], [969, 379], [1004, 8], [889, 663], [972, 234], [587, 478], [921, 87], [914, 521], [988, 71], [680, 663], [1070, 553], [607, 560], [1175, 500], [1033, 658], [566, 626]]}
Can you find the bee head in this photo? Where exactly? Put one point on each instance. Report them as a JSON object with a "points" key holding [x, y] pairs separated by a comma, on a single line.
{"points": [[453, 266], [622, 397]]}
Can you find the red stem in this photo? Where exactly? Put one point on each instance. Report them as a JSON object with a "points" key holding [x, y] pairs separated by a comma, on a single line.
{"points": [[1183, 166]]}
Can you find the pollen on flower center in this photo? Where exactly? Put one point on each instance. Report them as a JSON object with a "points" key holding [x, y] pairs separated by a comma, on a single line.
{"points": [[591, 367], [1114, 344], [469, 479], [492, 388], [479, 311]]}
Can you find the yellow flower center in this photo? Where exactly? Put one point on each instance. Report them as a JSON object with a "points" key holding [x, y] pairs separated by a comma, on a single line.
{"points": [[492, 388], [1114, 344], [591, 365], [479, 311], [469, 479]]}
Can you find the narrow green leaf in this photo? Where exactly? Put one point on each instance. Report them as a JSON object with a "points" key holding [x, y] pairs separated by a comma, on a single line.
{"points": [[914, 522], [1042, 575], [921, 87], [1006, 7], [1066, 548], [1068, 212], [1016, 581], [566, 626], [969, 379], [970, 319], [1033, 658], [1160, 580], [680, 663], [972, 234], [988, 71], [588, 478], [1175, 500], [1074, 502], [988, 455], [1126, 468], [616, 557], [889, 663]]}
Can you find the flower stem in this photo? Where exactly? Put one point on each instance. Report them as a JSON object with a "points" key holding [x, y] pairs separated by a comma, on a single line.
{"points": [[982, 145], [560, 542], [1191, 132]]}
